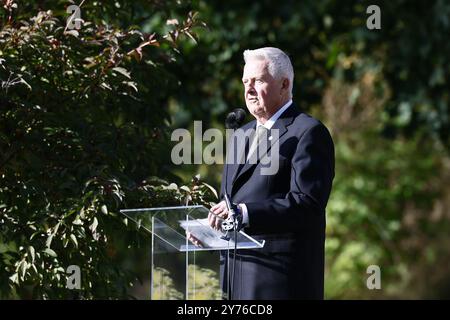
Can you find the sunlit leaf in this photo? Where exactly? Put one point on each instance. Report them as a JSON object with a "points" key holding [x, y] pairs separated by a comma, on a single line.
{"points": [[122, 71], [50, 252]]}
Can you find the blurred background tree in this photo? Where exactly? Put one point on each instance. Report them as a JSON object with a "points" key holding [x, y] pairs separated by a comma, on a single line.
{"points": [[85, 120]]}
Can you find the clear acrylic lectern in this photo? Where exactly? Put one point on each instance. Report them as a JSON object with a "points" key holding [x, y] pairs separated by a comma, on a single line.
{"points": [[180, 269]]}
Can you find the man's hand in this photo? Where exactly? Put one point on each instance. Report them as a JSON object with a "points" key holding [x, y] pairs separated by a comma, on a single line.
{"points": [[194, 240], [217, 214]]}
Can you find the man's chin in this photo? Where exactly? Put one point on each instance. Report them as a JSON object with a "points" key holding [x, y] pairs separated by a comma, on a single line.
{"points": [[252, 102], [255, 108]]}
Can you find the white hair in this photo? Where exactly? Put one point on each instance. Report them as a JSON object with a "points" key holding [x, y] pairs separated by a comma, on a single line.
{"points": [[279, 64]]}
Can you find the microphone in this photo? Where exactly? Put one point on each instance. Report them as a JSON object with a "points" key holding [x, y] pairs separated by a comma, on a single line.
{"points": [[234, 221], [235, 118], [233, 121]]}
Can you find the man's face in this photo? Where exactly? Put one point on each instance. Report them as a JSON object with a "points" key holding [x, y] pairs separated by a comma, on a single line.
{"points": [[263, 93]]}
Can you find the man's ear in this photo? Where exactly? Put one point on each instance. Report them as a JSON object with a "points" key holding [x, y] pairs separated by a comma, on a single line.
{"points": [[285, 84]]}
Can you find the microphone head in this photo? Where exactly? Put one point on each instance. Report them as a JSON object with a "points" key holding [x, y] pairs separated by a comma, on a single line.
{"points": [[235, 118]]}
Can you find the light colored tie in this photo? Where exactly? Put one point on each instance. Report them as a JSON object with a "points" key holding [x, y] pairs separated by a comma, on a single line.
{"points": [[261, 133]]}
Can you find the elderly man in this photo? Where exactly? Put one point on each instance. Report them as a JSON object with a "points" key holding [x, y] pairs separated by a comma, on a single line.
{"points": [[286, 208]]}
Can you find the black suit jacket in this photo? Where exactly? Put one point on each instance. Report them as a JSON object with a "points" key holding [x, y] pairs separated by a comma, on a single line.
{"points": [[287, 209]]}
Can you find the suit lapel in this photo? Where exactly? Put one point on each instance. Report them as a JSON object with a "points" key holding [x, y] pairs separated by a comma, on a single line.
{"points": [[281, 125], [235, 166]]}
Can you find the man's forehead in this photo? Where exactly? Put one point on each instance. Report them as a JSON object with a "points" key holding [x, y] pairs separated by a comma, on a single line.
{"points": [[255, 67]]}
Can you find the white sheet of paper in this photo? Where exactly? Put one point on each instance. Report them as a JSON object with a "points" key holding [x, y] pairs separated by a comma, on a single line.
{"points": [[209, 237]]}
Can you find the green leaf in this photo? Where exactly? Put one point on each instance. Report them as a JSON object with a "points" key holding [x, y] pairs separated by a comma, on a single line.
{"points": [[172, 186], [74, 240], [35, 234], [191, 36], [77, 221], [25, 83], [185, 188], [104, 85], [50, 252], [82, 213], [122, 71], [94, 224], [132, 85], [72, 32], [49, 240], [3, 248], [32, 253], [14, 278], [22, 269], [212, 189]]}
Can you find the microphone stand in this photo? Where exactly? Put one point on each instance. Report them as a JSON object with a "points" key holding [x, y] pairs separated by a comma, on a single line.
{"points": [[232, 223], [233, 121]]}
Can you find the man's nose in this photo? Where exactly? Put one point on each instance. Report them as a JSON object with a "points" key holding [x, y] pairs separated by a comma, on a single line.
{"points": [[251, 89]]}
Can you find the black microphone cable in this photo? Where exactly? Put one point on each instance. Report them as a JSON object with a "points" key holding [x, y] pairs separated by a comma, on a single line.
{"points": [[234, 258], [234, 223]]}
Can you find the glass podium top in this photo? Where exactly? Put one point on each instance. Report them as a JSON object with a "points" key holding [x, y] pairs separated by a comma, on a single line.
{"points": [[171, 225]]}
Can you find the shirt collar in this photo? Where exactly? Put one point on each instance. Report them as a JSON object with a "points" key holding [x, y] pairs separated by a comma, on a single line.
{"points": [[269, 123]]}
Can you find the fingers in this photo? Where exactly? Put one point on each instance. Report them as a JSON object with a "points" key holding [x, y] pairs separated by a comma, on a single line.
{"points": [[217, 213], [219, 209], [194, 240], [214, 221], [218, 225]]}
